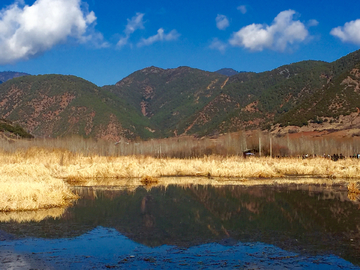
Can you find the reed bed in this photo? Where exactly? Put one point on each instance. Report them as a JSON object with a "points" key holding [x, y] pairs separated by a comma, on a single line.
{"points": [[231, 144], [212, 166], [63, 164], [27, 186], [33, 178], [354, 192]]}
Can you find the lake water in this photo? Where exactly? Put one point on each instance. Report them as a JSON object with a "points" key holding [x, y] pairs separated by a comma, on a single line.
{"points": [[191, 227]]}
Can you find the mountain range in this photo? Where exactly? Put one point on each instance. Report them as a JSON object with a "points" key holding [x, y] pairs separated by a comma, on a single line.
{"points": [[156, 103], [7, 75]]}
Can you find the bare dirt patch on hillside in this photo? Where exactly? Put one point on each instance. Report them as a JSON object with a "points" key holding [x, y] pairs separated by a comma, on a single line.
{"points": [[342, 127]]}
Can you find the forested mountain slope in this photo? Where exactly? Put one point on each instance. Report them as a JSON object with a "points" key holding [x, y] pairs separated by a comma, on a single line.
{"points": [[155, 102]]}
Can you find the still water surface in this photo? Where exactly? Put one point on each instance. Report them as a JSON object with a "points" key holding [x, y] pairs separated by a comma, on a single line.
{"points": [[193, 226]]}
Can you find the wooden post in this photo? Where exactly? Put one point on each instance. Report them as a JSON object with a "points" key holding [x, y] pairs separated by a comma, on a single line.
{"points": [[259, 146]]}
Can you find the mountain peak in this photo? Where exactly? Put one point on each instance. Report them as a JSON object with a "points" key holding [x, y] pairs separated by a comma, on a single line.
{"points": [[152, 69], [227, 71]]}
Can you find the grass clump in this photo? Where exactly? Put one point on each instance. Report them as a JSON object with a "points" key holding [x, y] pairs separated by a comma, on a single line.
{"points": [[30, 187], [146, 180], [353, 188], [354, 192]]}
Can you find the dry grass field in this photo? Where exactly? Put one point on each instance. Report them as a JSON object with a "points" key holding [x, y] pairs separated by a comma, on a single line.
{"points": [[47, 165], [38, 174], [30, 186]]}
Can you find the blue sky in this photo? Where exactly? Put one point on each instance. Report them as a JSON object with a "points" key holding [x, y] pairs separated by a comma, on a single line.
{"points": [[104, 41]]}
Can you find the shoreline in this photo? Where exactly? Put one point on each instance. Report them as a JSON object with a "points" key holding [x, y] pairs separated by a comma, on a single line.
{"points": [[41, 178]]}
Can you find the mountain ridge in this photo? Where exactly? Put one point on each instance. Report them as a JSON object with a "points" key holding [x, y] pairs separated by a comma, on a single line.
{"points": [[156, 103], [8, 75], [228, 71]]}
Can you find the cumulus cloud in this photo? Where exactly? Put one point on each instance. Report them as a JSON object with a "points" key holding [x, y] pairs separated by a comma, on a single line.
{"points": [[160, 36], [217, 44], [242, 9], [133, 24], [283, 31], [222, 22], [350, 32], [26, 31]]}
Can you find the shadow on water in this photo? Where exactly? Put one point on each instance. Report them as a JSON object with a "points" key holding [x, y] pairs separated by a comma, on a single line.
{"points": [[303, 220]]}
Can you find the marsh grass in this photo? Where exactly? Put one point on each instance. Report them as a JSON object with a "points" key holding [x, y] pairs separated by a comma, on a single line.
{"points": [[75, 168], [353, 188], [353, 191], [30, 186], [231, 144], [149, 180], [32, 173]]}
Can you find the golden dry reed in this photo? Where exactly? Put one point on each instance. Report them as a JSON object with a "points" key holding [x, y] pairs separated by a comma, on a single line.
{"points": [[28, 185], [149, 180], [230, 144], [354, 191], [32, 177], [46, 165]]}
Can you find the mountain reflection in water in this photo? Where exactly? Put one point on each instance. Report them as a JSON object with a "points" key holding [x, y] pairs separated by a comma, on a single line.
{"points": [[312, 220]]}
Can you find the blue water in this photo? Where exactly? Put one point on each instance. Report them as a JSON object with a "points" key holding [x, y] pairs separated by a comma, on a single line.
{"points": [[194, 227], [105, 248]]}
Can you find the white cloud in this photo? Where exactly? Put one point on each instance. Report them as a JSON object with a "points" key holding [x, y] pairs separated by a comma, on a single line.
{"points": [[26, 31], [123, 41], [160, 36], [222, 22], [282, 32], [133, 24], [313, 23], [242, 9], [350, 32], [136, 23], [253, 37], [217, 44]]}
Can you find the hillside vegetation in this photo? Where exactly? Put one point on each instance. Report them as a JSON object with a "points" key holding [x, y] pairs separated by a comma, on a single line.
{"points": [[58, 105], [169, 98], [227, 71], [157, 103], [9, 130]]}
